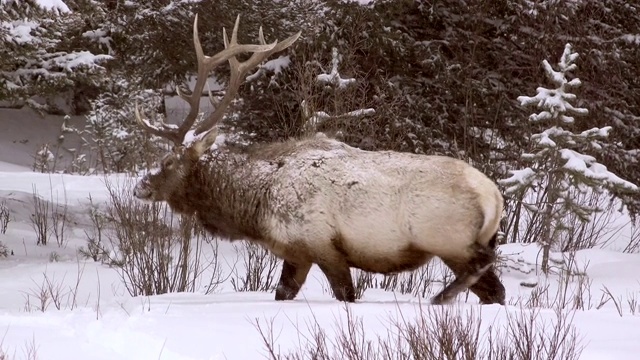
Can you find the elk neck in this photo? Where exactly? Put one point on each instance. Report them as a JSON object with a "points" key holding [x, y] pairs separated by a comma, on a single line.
{"points": [[227, 192]]}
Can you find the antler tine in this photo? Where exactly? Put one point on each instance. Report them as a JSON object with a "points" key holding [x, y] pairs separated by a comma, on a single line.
{"points": [[166, 131], [204, 65], [238, 72]]}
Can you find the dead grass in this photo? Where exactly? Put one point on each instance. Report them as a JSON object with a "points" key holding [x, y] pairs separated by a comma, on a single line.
{"points": [[29, 350], [52, 291]]}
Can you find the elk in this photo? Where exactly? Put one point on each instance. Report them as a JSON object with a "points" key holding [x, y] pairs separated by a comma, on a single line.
{"points": [[316, 200]]}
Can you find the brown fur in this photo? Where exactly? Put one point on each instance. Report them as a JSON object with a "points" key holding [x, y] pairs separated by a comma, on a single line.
{"points": [[291, 279], [409, 259], [477, 274], [223, 206]]}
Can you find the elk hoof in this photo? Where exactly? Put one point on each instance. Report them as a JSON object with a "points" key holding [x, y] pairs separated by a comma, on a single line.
{"points": [[284, 293]]}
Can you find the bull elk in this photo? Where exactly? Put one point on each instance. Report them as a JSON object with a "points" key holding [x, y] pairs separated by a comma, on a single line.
{"points": [[316, 200]]}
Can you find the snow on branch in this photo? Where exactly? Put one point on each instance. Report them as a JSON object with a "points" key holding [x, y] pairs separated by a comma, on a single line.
{"points": [[69, 61], [275, 65], [332, 79], [315, 118], [19, 31], [56, 6], [334, 76], [518, 180], [587, 166]]}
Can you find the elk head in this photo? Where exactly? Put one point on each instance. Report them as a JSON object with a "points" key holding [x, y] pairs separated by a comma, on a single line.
{"points": [[168, 179]]}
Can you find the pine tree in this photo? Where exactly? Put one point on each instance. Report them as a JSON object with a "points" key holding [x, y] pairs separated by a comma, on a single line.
{"points": [[558, 170], [38, 53]]}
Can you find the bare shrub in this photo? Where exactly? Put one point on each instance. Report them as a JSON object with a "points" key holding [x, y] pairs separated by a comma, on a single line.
{"points": [[421, 282], [54, 257], [40, 218], [524, 224], [95, 245], [4, 250], [260, 269], [44, 160], [629, 306], [59, 216], [30, 351], [216, 277], [51, 291], [557, 340], [633, 246], [156, 251], [4, 217], [438, 333], [568, 289], [363, 280], [571, 289], [592, 233]]}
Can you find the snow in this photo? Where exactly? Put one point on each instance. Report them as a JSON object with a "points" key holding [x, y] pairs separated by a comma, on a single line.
{"points": [[543, 139], [69, 61], [98, 319], [596, 132], [54, 5], [633, 39], [19, 31]]}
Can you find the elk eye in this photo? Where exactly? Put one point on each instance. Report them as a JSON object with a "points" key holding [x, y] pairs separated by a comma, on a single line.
{"points": [[169, 162]]}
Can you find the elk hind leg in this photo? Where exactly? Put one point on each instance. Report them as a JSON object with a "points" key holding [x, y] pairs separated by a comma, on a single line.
{"points": [[489, 288], [470, 271], [292, 277], [339, 275]]}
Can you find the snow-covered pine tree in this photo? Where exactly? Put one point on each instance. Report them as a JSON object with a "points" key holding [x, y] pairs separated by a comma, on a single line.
{"points": [[38, 54], [558, 171], [111, 133]]}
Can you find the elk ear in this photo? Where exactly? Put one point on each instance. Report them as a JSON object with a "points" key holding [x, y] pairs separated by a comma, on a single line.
{"points": [[193, 153]]}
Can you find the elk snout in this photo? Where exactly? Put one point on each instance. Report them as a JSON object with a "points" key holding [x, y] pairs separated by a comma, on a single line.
{"points": [[142, 191]]}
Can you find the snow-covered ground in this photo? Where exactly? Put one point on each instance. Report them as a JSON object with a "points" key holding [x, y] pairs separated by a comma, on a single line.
{"points": [[94, 317]]}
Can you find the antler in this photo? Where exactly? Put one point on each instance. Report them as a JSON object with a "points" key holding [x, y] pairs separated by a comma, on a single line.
{"points": [[205, 64]]}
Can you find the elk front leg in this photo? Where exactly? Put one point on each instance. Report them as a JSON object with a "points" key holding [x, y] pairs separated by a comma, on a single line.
{"points": [[291, 279]]}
